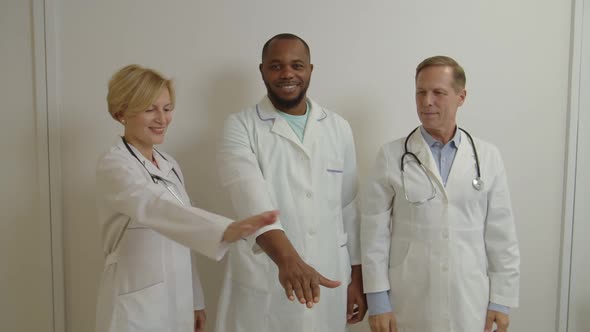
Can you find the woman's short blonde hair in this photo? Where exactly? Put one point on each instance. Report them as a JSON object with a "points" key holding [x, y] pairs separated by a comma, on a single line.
{"points": [[134, 89]]}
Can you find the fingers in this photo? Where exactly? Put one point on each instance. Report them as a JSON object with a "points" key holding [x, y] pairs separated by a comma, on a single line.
{"points": [[327, 282], [252, 224], [392, 325], [502, 322], [200, 320], [315, 290], [382, 323], [265, 218], [247, 227], [308, 293], [356, 312], [304, 291], [354, 316], [349, 309], [289, 291], [491, 316], [303, 280], [299, 292], [200, 326]]}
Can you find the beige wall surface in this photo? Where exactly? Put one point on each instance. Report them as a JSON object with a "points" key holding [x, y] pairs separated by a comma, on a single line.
{"points": [[25, 275], [516, 55]]}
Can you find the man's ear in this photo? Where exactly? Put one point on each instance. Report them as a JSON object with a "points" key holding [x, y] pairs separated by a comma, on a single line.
{"points": [[462, 95]]}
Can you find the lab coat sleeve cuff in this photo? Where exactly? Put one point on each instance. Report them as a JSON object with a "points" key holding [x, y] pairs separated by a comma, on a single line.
{"points": [[375, 281], [218, 247], [199, 304], [499, 308], [355, 261], [502, 288], [221, 250], [251, 240], [511, 302]]}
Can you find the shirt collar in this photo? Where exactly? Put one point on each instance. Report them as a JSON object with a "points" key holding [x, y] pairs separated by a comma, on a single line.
{"points": [[431, 141], [295, 117]]}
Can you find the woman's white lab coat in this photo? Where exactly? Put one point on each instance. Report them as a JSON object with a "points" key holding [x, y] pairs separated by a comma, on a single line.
{"points": [[265, 166], [446, 259], [147, 283]]}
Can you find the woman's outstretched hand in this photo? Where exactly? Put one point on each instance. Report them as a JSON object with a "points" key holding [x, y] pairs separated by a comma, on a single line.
{"points": [[240, 229]]}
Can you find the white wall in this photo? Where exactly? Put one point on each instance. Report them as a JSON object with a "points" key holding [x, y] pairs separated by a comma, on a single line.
{"points": [[516, 55], [25, 249]]}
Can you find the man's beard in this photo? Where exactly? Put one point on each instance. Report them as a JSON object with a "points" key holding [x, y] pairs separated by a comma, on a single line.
{"points": [[284, 104]]}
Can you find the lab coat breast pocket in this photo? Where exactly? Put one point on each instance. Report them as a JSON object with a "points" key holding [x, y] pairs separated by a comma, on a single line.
{"points": [[417, 182], [140, 262], [331, 181], [468, 206]]}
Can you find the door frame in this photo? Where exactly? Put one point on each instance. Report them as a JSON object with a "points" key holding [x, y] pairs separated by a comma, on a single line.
{"points": [[571, 160], [46, 87]]}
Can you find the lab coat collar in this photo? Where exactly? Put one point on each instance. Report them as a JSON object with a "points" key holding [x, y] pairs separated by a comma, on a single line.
{"points": [[267, 112], [464, 162], [165, 166]]}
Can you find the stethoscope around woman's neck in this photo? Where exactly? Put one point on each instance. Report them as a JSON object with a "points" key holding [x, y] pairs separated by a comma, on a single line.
{"points": [[477, 181], [154, 177]]}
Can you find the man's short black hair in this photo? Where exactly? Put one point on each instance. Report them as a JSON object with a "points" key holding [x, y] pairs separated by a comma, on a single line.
{"points": [[285, 36]]}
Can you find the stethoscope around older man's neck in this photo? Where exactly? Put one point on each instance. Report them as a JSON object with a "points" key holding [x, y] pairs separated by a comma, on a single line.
{"points": [[477, 181]]}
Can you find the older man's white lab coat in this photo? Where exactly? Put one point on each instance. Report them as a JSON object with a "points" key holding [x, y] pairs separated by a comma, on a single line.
{"points": [[443, 260]]}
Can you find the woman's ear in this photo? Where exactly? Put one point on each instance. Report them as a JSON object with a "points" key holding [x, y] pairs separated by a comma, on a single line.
{"points": [[119, 117]]}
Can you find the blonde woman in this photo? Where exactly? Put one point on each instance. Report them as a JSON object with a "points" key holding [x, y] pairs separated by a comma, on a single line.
{"points": [[147, 223]]}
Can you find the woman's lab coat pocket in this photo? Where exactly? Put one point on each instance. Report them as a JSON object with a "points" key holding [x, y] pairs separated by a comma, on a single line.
{"points": [[140, 260], [142, 310]]}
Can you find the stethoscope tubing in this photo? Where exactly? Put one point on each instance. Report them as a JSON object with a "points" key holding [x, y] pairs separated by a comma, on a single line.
{"points": [[156, 178], [477, 182]]}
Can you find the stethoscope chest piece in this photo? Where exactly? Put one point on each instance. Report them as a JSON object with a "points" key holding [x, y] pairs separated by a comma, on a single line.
{"points": [[477, 183]]}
